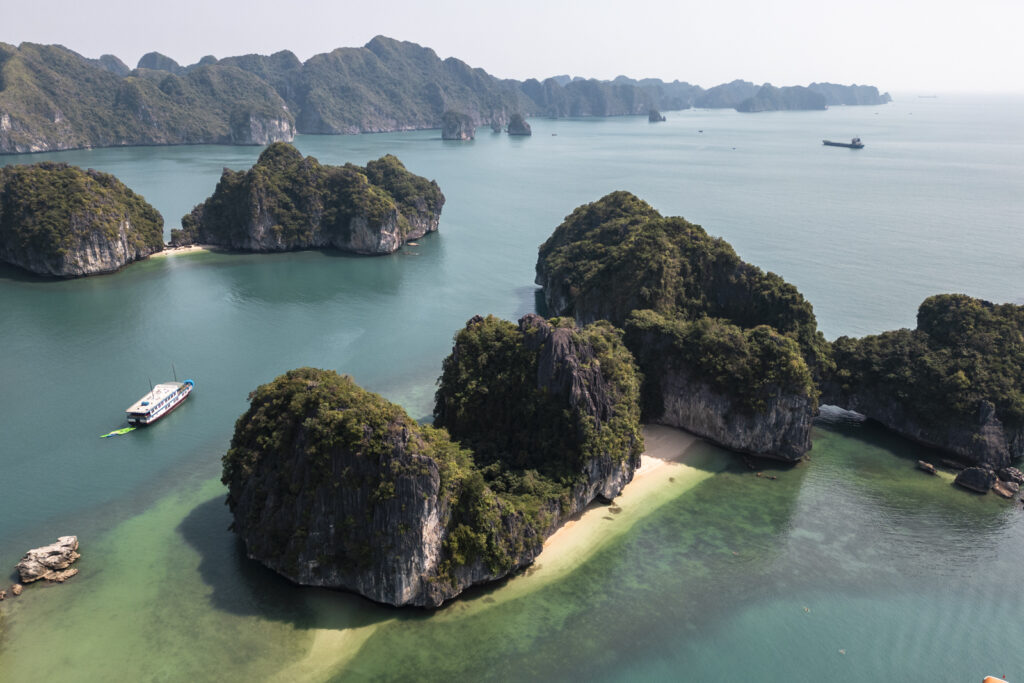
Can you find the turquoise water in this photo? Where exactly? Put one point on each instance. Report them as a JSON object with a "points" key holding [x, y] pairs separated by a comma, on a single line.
{"points": [[901, 572]]}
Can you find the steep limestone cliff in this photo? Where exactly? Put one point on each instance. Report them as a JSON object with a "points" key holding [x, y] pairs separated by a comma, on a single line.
{"points": [[746, 390], [333, 486], [61, 221], [287, 202]]}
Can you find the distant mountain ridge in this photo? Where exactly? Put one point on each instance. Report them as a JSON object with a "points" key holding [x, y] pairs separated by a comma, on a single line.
{"points": [[52, 98]]}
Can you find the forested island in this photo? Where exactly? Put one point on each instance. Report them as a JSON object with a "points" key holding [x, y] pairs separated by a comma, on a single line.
{"points": [[52, 98], [287, 202], [331, 485], [62, 221]]}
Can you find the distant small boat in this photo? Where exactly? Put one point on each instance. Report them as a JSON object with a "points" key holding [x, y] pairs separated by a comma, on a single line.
{"points": [[855, 143], [161, 399]]}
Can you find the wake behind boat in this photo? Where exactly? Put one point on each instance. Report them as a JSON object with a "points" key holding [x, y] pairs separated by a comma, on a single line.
{"points": [[855, 143], [162, 399]]}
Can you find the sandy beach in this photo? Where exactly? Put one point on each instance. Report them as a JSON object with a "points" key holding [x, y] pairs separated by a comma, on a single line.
{"points": [[175, 251]]}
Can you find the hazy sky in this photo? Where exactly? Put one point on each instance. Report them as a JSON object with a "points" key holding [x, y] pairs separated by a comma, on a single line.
{"points": [[909, 46]]}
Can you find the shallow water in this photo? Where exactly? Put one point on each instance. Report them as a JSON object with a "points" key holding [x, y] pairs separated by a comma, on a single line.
{"points": [[903, 573]]}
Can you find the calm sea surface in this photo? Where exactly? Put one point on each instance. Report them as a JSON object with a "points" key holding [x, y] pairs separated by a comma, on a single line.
{"points": [[850, 567]]}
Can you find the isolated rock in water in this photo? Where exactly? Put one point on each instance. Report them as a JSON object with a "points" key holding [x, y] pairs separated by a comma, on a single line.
{"points": [[48, 562], [16, 589], [926, 467], [457, 126], [517, 125], [1011, 474], [654, 116], [977, 479]]}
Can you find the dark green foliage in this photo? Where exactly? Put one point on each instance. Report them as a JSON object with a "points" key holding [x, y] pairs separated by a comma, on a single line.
{"points": [[303, 196], [302, 429], [48, 209], [530, 440], [618, 254], [490, 400], [753, 365], [965, 351]]}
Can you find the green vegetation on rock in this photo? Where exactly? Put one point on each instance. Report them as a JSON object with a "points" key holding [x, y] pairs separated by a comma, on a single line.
{"points": [[287, 201], [754, 364], [332, 485], [618, 254], [964, 353], [57, 219]]}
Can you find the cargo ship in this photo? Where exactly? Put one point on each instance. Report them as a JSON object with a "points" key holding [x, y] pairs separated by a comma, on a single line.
{"points": [[852, 144]]}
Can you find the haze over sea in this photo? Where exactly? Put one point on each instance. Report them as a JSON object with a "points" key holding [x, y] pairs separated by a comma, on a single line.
{"points": [[850, 567]]}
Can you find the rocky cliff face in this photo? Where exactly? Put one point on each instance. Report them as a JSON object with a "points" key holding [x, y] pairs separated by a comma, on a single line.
{"points": [[986, 440], [332, 486], [782, 430], [293, 202], [258, 128], [748, 391], [61, 221]]}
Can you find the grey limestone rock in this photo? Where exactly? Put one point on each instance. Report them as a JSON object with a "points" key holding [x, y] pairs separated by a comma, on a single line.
{"points": [[457, 126], [50, 562]]}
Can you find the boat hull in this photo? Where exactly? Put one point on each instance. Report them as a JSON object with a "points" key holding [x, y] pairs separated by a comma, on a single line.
{"points": [[142, 418], [848, 145]]}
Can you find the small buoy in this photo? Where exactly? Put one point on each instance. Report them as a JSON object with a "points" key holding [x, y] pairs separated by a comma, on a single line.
{"points": [[807, 609]]}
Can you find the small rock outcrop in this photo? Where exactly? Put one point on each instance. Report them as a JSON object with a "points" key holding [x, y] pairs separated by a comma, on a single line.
{"points": [[16, 589], [517, 125], [926, 467], [952, 383], [287, 202], [655, 116], [61, 221], [49, 562], [457, 126], [330, 485], [1011, 474], [978, 479]]}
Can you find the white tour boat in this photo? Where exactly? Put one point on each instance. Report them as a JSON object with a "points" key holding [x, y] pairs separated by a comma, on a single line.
{"points": [[162, 399]]}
